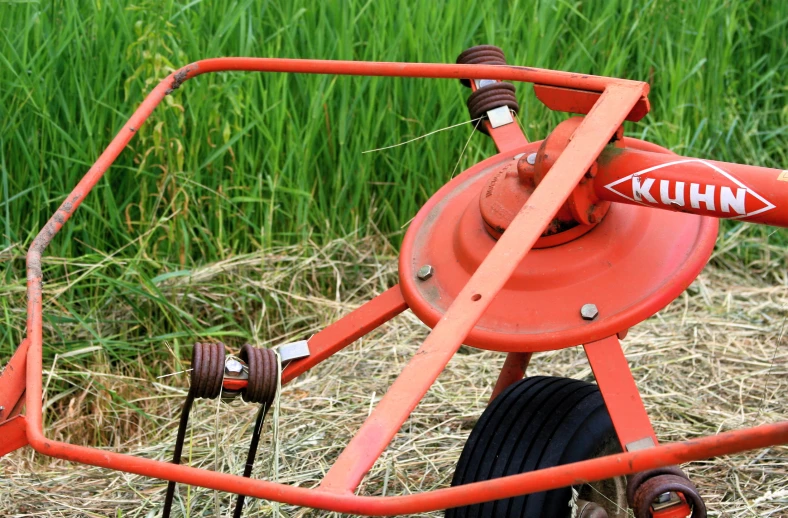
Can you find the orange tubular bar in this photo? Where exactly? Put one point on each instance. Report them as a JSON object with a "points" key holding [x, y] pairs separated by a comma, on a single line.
{"points": [[706, 187], [617, 100], [512, 371]]}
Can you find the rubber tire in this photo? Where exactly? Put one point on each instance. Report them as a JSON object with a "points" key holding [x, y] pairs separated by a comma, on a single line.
{"points": [[536, 423]]}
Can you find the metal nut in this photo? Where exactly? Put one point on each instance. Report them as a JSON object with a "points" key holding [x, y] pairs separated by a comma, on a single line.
{"points": [[589, 312], [664, 497], [425, 272], [233, 368]]}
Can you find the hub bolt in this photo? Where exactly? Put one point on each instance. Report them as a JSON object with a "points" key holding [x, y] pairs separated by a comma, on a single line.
{"points": [[531, 159], [425, 272], [589, 312]]}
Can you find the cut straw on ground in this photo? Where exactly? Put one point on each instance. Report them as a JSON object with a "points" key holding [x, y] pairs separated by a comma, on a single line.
{"points": [[714, 360]]}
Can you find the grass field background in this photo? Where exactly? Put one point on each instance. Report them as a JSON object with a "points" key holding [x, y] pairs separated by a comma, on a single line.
{"points": [[244, 210], [236, 163]]}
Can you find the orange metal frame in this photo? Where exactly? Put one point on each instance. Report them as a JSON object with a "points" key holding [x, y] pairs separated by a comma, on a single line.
{"points": [[608, 102]]}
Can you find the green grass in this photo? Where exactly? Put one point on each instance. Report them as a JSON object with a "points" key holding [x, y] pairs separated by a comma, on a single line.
{"points": [[235, 163]]}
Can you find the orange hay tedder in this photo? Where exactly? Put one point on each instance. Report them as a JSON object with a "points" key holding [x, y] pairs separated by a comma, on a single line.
{"points": [[567, 241]]}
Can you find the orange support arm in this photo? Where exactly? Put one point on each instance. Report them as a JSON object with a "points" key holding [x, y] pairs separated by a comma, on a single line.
{"points": [[705, 187], [347, 330], [12, 382], [620, 393]]}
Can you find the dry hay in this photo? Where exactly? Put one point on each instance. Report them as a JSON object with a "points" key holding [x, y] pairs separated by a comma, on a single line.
{"points": [[709, 362]]}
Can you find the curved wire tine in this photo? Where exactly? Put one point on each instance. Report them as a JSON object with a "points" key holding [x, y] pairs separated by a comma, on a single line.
{"points": [[250, 456], [176, 455], [265, 373]]}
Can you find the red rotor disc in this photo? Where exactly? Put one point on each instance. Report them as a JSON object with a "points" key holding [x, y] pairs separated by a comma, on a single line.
{"points": [[631, 265]]}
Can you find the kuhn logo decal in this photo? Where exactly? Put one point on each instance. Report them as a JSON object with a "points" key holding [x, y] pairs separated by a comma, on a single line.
{"points": [[733, 201]]}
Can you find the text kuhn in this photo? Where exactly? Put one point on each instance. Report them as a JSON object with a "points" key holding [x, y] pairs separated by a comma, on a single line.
{"points": [[729, 199]]}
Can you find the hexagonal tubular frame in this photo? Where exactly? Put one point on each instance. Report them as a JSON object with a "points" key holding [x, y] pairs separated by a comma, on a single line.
{"points": [[617, 100]]}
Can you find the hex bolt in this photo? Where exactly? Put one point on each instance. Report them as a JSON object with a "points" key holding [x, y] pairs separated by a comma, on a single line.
{"points": [[589, 312], [425, 272], [531, 159], [664, 497], [234, 370], [233, 367]]}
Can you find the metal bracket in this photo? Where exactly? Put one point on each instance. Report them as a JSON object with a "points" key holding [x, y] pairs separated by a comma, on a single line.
{"points": [[641, 444], [293, 350], [500, 116]]}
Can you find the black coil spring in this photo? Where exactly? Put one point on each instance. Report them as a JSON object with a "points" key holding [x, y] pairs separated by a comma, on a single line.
{"points": [[207, 374], [480, 55], [263, 371], [206, 382], [490, 96], [207, 370]]}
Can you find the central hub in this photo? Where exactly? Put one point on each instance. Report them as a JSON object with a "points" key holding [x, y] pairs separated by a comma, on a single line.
{"points": [[509, 188], [588, 287]]}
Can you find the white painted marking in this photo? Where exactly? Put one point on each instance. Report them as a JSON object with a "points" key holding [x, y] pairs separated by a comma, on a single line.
{"points": [[729, 201], [641, 190], [707, 197], [664, 194]]}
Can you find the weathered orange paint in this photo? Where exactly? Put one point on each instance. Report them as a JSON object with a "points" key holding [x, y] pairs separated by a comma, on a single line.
{"points": [[347, 330], [634, 263], [572, 100], [512, 371]]}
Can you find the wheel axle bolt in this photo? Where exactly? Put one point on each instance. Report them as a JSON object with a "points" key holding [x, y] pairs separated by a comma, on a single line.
{"points": [[531, 159], [425, 272], [589, 312]]}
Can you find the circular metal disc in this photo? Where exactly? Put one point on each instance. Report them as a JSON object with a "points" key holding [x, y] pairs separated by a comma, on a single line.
{"points": [[631, 265]]}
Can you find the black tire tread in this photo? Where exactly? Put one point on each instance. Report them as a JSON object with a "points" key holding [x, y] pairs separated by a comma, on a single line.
{"points": [[538, 422]]}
